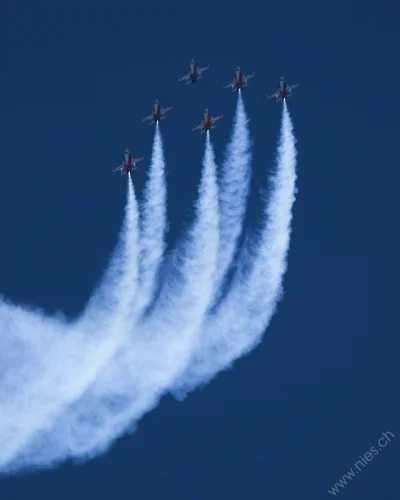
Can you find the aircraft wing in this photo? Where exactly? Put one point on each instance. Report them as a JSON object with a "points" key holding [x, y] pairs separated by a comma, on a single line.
{"points": [[118, 168], [232, 84], [198, 127], [249, 76], [291, 87], [215, 118], [137, 160], [164, 110], [200, 70], [150, 117], [276, 94], [186, 77]]}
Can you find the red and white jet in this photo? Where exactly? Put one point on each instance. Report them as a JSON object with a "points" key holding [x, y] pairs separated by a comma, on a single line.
{"points": [[239, 81], [157, 114], [283, 91], [207, 122], [194, 73], [129, 163]]}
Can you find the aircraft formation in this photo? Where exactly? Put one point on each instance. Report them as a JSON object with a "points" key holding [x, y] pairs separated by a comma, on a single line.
{"points": [[194, 74]]}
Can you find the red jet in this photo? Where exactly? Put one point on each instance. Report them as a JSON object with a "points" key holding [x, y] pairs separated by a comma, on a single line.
{"points": [[194, 73], [239, 81], [207, 122], [157, 114], [129, 163], [283, 91]]}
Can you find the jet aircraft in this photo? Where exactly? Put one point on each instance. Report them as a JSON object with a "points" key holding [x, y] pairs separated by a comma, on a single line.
{"points": [[128, 164], [207, 123], [194, 73], [239, 81], [284, 90], [157, 114]]}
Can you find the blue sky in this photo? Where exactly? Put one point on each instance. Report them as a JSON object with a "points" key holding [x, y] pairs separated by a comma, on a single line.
{"points": [[293, 416]]}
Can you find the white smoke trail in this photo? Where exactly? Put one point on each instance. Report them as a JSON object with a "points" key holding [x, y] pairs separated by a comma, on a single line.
{"points": [[234, 190], [194, 261], [106, 298], [79, 389], [161, 345], [238, 324], [105, 395], [153, 225], [51, 377]]}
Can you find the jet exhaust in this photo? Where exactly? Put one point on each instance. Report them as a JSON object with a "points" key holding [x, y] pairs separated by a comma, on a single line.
{"points": [[234, 189], [153, 224], [70, 355], [239, 322], [89, 381]]}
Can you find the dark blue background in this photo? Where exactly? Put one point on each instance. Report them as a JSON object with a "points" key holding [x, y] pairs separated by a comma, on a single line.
{"points": [[295, 414]]}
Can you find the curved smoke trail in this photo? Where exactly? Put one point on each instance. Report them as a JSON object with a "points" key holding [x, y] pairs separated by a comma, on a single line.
{"points": [[144, 368], [56, 375], [234, 191], [240, 321], [87, 383], [152, 225], [120, 274]]}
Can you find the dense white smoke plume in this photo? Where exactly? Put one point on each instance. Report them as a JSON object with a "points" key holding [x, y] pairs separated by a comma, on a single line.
{"points": [[152, 225], [234, 181], [67, 390], [70, 357], [239, 322]]}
